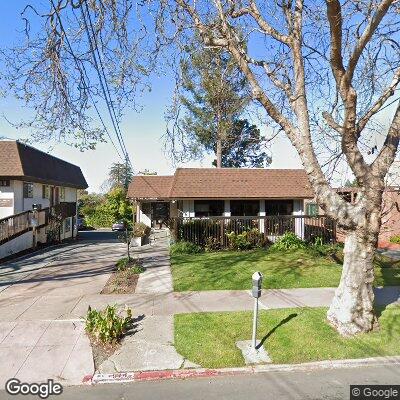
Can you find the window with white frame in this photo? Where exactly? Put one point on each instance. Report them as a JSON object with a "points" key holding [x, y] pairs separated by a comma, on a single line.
{"points": [[28, 190], [45, 191]]}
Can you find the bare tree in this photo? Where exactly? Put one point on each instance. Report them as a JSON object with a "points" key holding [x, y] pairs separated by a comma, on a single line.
{"points": [[322, 73], [349, 55], [76, 58]]}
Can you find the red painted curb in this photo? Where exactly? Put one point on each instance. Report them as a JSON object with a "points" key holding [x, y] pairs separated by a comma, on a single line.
{"points": [[187, 373], [87, 379], [165, 374]]}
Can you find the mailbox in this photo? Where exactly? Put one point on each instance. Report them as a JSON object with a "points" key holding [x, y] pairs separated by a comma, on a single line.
{"points": [[257, 283]]}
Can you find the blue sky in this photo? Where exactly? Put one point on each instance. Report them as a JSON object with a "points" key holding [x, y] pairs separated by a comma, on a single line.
{"points": [[142, 130]]}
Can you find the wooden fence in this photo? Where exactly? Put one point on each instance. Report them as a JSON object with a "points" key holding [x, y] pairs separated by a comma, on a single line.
{"points": [[18, 224], [308, 228]]}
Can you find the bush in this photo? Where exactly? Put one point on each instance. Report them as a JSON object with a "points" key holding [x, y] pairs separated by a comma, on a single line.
{"points": [[395, 239], [141, 230], [129, 263], [246, 240], [289, 241], [106, 325], [212, 244], [185, 248]]}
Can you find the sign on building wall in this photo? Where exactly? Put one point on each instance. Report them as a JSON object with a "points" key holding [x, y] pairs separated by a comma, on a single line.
{"points": [[6, 202]]}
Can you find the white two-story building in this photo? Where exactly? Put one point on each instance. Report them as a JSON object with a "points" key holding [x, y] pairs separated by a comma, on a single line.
{"points": [[33, 180]]}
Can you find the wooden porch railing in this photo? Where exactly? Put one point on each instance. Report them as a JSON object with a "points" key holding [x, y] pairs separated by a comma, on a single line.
{"points": [[198, 230], [18, 224]]}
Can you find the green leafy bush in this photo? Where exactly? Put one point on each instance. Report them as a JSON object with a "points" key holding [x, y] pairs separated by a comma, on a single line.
{"points": [[141, 230], [212, 244], [395, 239], [185, 248], [106, 325], [129, 263], [246, 240], [289, 241]]}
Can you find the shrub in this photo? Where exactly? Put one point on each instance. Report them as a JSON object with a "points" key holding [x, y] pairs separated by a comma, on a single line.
{"points": [[246, 240], [212, 244], [239, 241], [289, 241], [129, 263], [141, 230], [106, 325], [395, 239], [185, 248]]}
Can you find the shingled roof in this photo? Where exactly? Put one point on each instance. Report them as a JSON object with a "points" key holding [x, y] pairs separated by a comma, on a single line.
{"points": [[223, 183], [23, 162]]}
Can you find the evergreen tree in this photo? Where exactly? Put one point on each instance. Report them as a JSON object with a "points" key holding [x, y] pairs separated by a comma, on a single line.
{"points": [[120, 175], [213, 95], [244, 147]]}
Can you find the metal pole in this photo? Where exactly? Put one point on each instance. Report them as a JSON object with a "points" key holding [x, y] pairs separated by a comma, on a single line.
{"points": [[255, 320]]}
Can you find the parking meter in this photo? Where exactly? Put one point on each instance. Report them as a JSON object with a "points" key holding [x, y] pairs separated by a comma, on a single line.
{"points": [[256, 293], [257, 283]]}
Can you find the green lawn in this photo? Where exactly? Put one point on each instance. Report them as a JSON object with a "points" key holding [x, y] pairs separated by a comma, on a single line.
{"points": [[231, 270], [289, 335]]}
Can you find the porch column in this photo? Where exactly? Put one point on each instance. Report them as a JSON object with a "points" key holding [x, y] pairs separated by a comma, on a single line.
{"points": [[298, 209], [227, 208], [261, 214], [138, 211]]}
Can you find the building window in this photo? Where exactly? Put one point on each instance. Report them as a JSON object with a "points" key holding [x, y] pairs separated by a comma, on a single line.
{"points": [[45, 191], [5, 183], [67, 225], [245, 208], [346, 196], [62, 193], [28, 190], [312, 209], [208, 208], [278, 207]]}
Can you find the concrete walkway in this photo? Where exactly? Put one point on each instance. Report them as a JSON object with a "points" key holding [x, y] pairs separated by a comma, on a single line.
{"points": [[157, 278], [35, 351], [39, 337]]}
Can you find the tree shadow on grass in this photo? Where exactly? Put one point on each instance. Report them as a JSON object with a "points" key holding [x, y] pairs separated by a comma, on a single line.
{"points": [[272, 331]]}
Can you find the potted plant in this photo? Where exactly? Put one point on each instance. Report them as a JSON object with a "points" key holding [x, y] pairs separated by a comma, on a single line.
{"points": [[141, 234]]}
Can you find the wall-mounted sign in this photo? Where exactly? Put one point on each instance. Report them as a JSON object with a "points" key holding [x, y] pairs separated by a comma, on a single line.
{"points": [[6, 202]]}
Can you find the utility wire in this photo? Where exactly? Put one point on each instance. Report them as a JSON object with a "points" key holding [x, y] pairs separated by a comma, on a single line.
{"points": [[83, 72], [103, 73], [103, 80]]}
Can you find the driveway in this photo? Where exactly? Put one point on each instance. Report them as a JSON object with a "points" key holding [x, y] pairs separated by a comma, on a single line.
{"points": [[40, 335]]}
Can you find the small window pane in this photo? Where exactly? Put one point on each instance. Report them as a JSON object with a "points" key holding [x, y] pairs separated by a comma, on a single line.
{"points": [[312, 209], [28, 190], [5, 183]]}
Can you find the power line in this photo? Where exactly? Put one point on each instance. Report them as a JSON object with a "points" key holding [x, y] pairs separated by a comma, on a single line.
{"points": [[102, 78], [83, 72]]}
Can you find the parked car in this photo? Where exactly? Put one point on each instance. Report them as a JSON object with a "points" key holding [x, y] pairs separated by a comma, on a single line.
{"points": [[80, 222], [119, 226]]}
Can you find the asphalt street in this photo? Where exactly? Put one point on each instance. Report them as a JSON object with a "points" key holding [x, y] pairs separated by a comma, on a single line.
{"points": [[321, 384]]}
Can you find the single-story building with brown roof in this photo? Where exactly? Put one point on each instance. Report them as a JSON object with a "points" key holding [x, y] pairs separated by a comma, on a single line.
{"points": [[229, 192]]}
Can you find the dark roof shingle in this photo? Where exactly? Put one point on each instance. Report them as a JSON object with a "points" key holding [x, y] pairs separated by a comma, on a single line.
{"points": [[19, 161]]}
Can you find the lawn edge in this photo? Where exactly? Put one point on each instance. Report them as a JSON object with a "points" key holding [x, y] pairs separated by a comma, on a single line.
{"points": [[140, 376]]}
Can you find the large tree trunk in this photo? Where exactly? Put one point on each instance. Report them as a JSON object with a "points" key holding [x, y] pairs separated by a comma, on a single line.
{"points": [[352, 309], [219, 152]]}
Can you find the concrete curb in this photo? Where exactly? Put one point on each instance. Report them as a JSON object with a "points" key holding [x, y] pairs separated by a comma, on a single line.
{"points": [[140, 376]]}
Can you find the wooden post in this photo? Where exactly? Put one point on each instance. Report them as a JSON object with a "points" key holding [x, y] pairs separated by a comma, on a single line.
{"points": [[222, 232], [175, 229]]}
